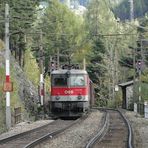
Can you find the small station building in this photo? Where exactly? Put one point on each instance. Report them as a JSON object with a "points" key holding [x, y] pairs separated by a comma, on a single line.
{"points": [[127, 94]]}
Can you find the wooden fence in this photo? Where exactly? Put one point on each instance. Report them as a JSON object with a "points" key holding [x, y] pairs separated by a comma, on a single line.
{"points": [[17, 115]]}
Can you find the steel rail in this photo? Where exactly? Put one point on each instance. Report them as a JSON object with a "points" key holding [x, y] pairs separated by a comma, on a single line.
{"points": [[7, 139], [52, 134], [100, 132], [130, 133]]}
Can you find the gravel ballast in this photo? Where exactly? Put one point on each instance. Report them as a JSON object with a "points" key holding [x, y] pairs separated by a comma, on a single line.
{"points": [[78, 135], [140, 129], [23, 127]]}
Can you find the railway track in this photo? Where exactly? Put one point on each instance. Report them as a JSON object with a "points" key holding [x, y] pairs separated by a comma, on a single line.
{"points": [[33, 137], [115, 132]]}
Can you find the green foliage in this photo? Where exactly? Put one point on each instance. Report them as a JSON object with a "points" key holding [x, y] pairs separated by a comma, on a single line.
{"points": [[123, 9], [95, 69], [116, 102], [144, 91], [15, 100], [144, 76], [31, 68], [99, 20], [22, 15], [2, 100], [1, 45], [107, 50], [101, 102], [143, 34], [126, 61], [62, 29], [111, 103]]}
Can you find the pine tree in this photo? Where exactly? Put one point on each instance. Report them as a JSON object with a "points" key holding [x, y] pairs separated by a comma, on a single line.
{"points": [[21, 19]]}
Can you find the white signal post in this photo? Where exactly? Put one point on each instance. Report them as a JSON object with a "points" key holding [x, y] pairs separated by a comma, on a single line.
{"points": [[41, 71], [140, 85], [84, 64], [42, 88], [7, 58]]}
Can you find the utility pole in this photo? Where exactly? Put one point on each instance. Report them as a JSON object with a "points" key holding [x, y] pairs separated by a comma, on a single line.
{"points": [[7, 58], [134, 75], [41, 70], [84, 63], [58, 59], [113, 73], [139, 84], [140, 68], [131, 9]]}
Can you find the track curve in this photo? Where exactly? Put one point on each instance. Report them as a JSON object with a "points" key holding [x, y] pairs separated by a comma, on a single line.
{"points": [[115, 133]]}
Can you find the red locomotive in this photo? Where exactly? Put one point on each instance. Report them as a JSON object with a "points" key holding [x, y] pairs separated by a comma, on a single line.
{"points": [[71, 92]]}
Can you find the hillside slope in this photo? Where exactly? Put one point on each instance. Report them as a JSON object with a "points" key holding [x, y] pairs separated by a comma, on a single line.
{"points": [[24, 95]]}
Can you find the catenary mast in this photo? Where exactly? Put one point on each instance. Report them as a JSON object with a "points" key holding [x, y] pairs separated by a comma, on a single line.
{"points": [[131, 9]]}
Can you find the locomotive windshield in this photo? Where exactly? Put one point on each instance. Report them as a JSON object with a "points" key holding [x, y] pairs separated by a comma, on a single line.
{"points": [[59, 80], [77, 80], [72, 80]]}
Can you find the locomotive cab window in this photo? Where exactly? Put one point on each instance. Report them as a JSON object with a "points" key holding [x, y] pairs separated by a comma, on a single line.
{"points": [[59, 81], [77, 80]]}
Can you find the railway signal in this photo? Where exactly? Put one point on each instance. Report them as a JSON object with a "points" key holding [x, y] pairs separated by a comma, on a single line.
{"points": [[53, 63], [139, 65]]}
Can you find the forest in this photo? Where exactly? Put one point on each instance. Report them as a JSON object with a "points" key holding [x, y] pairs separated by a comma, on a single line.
{"points": [[122, 10], [107, 43]]}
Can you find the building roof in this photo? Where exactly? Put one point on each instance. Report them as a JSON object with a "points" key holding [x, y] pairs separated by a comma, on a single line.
{"points": [[126, 83]]}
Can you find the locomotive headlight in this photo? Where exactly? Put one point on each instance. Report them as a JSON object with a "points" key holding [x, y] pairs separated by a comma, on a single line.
{"points": [[57, 97], [79, 97]]}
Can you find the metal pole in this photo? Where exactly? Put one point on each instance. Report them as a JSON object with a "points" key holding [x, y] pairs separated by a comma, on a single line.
{"points": [[41, 71], [58, 59], [131, 9], [84, 64], [113, 74], [7, 52], [139, 85], [140, 68]]}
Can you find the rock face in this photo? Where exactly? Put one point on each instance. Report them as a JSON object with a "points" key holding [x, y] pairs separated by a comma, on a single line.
{"points": [[27, 91]]}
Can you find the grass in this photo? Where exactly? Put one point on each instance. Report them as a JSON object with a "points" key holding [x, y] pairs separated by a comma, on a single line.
{"points": [[31, 68], [2, 101], [144, 91], [1, 45]]}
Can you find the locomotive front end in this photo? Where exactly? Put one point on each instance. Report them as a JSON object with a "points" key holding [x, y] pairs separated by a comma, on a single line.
{"points": [[69, 92]]}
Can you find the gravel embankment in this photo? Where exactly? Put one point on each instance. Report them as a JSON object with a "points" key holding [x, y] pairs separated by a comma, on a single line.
{"points": [[78, 135], [24, 126], [140, 129]]}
